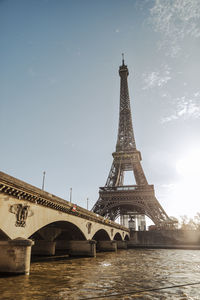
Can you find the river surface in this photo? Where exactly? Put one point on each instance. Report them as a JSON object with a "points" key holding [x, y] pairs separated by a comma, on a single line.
{"points": [[120, 275]]}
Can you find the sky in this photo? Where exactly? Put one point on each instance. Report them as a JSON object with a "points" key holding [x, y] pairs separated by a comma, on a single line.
{"points": [[59, 94]]}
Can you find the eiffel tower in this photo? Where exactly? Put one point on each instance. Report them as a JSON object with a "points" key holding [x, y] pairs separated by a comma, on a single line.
{"points": [[115, 198]]}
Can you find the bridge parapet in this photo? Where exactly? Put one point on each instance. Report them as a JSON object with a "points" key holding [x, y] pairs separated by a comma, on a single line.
{"points": [[24, 191]]}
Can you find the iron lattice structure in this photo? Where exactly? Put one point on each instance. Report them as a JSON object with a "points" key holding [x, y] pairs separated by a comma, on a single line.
{"points": [[115, 198]]}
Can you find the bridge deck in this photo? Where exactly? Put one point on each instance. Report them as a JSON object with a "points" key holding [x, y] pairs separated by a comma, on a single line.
{"points": [[24, 191]]}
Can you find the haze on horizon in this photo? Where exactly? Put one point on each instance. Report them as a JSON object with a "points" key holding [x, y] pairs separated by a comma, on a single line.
{"points": [[59, 95]]}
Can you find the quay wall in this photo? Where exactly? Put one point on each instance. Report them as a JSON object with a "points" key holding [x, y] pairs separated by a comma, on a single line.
{"points": [[185, 239]]}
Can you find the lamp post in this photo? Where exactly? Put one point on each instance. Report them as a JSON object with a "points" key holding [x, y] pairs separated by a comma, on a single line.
{"points": [[44, 173], [87, 203], [70, 199]]}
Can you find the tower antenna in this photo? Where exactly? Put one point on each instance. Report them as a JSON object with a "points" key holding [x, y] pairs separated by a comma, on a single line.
{"points": [[122, 59]]}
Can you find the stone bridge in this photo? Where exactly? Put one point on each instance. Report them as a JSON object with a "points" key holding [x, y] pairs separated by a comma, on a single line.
{"points": [[33, 218]]}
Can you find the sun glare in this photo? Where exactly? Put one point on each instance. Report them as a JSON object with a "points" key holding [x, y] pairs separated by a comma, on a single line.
{"points": [[189, 166], [186, 191]]}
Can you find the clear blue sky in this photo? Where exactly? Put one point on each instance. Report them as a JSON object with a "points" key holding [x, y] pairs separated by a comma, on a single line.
{"points": [[59, 94]]}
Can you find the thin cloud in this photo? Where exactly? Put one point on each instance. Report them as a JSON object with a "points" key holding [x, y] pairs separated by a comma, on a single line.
{"points": [[175, 20], [187, 107], [169, 186], [156, 78]]}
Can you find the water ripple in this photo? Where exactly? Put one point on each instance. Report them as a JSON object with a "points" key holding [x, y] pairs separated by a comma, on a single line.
{"points": [[110, 274]]}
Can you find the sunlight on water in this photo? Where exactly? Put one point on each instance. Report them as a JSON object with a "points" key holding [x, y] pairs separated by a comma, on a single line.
{"points": [[106, 264], [110, 273]]}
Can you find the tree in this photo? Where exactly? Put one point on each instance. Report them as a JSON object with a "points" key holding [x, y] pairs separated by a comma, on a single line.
{"points": [[190, 224], [197, 221], [175, 223], [187, 224]]}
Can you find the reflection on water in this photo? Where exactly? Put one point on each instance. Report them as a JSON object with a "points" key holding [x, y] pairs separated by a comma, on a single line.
{"points": [[109, 273]]}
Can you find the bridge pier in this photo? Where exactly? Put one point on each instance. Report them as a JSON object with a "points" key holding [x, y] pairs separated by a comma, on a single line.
{"points": [[15, 256], [62, 246], [121, 244], [82, 248], [47, 245], [107, 245], [43, 247]]}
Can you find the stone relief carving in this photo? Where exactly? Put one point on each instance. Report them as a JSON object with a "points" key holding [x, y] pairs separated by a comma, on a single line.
{"points": [[89, 227], [21, 212]]}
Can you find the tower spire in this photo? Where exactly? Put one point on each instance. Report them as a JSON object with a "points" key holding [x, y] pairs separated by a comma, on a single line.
{"points": [[125, 139], [122, 59]]}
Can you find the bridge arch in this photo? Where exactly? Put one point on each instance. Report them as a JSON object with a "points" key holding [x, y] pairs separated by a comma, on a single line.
{"points": [[101, 235], [117, 237], [127, 238], [41, 219], [59, 230]]}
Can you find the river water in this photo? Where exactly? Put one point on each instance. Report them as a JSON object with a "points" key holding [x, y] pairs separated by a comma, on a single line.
{"points": [[120, 275]]}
